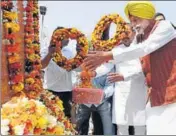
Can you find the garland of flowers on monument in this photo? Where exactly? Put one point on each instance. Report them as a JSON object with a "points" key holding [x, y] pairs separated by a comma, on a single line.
{"points": [[32, 52], [11, 26], [33, 83], [23, 116], [55, 105]]}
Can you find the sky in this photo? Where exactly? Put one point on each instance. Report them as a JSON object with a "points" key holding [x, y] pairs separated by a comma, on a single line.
{"points": [[85, 14]]}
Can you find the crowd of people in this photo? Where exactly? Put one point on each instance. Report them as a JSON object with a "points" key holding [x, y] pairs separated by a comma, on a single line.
{"points": [[138, 78]]}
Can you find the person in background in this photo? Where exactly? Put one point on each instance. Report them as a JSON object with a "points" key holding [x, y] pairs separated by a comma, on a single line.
{"points": [[159, 46], [93, 126], [56, 79], [160, 16], [105, 108], [130, 95]]}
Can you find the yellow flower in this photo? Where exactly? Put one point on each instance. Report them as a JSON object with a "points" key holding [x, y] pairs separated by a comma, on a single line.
{"points": [[28, 41], [33, 117], [35, 45], [29, 80], [10, 15], [6, 111], [60, 104], [59, 130], [33, 57], [14, 58], [18, 87], [42, 122], [14, 26], [35, 11], [41, 110], [24, 117]]}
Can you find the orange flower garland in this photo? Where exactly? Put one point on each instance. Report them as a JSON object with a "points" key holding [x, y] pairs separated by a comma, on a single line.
{"points": [[9, 15], [23, 116], [82, 48], [33, 83], [53, 103], [122, 31], [85, 78], [7, 5], [13, 53]]}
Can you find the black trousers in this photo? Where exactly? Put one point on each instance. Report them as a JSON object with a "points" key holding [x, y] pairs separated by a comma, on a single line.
{"points": [[97, 123], [66, 98], [130, 129], [102, 123]]}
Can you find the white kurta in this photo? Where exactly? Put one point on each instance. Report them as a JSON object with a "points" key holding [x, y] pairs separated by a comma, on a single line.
{"points": [[130, 96], [160, 119]]}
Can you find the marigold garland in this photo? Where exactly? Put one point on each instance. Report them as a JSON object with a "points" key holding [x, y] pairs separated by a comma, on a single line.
{"points": [[53, 103], [22, 116], [33, 83], [82, 48], [12, 26], [122, 30], [7, 5], [9, 15], [13, 53]]}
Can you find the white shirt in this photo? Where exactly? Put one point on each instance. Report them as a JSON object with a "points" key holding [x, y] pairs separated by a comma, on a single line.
{"points": [[56, 78], [163, 34], [130, 95]]}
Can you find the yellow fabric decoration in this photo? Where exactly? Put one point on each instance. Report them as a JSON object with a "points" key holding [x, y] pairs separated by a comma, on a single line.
{"points": [[141, 9]]}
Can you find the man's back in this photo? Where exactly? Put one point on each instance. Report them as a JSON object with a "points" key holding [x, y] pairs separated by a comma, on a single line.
{"points": [[57, 78]]}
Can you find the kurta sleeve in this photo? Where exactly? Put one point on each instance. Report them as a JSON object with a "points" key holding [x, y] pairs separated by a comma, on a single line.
{"points": [[134, 72], [163, 34], [104, 69]]}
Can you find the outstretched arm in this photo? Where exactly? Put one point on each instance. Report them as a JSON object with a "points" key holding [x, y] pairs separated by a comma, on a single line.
{"points": [[163, 34]]}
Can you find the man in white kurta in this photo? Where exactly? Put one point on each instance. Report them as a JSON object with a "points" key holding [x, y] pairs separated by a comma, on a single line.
{"points": [[130, 96], [160, 119]]}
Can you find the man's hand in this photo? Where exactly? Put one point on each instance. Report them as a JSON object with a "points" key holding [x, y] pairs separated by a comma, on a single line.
{"points": [[51, 50], [93, 74], [114, 77], [96, 58]]}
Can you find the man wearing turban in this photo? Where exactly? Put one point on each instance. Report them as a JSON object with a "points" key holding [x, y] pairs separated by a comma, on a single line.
{"points": [[158, 46]]}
